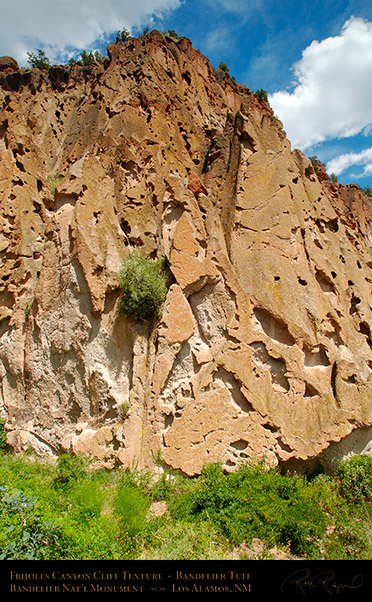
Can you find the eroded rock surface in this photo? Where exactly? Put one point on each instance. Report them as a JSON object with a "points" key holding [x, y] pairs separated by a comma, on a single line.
{"points": [[264, 344]]}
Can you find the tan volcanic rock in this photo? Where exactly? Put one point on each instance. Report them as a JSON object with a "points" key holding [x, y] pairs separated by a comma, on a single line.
{"points": [[263, 346]]}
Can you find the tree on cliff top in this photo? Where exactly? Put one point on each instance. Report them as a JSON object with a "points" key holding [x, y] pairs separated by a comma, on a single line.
{"points": [[38, 59]]}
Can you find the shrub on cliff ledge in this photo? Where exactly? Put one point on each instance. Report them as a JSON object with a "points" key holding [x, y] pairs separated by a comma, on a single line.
{"points": [[262, 95], [38, 59], [143, 287]]}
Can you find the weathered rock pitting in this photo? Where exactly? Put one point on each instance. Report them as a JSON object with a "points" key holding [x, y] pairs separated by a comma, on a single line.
{"points": [[264, 344]]}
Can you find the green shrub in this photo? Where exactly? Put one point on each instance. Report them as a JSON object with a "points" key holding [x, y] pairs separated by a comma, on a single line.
{"points": [[70, 470], [348, 541], [355, 478], [223, 67], [256, 502], [262, 95], [72, 512], [53, 183], [143, 287], [38, 59], [88, 499], [131, 504], [25, 535], [122, 36], [2, 434]]}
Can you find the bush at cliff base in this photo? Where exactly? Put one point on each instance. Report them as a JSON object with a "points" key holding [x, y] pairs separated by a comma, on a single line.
{"points": [[355, 477]]}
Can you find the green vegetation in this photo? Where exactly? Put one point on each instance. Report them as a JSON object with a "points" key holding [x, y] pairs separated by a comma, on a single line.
{"points": [[142, 285], [91, 58], [223, 67], [262, 95], [367, 191], [122, 36], [173, 34], [53, 182], [72, 511], [355, 476], [38, 59], [27, 310], [2, 435], [87, 59]]}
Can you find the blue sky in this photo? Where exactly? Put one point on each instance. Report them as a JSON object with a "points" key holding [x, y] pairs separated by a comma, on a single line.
{"points": [[313, 58]]}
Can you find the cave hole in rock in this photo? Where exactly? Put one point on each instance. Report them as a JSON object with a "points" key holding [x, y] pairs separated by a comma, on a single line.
{"points": [[239, 445], [364, 328], [354, 304], [168, 420], [273, 327], [247, 142], [275, 366], [186, 76], [352, 380], [334, 335], [320, 225], [316, 357], [324, 282], [310, 390], [75, 411]]}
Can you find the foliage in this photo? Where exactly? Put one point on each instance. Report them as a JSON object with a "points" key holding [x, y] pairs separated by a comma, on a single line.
{"points": [[71, 511], [255, 502], [262, 95], [53, 182], [131, 504], [38, 59], [142, 285], [70, 469], [367, 191], [355, 478], [2, 434], [185, 541], [223, 67], [91, 58], [26, 535], [173, 34], [333, 178], [122, 36]]}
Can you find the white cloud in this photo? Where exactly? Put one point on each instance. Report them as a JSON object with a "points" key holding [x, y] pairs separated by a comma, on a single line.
{"points": [[218, 39], [61, 26], [343, 162], [333, 88]]}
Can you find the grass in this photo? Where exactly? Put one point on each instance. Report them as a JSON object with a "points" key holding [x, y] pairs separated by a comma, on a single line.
{"points": [[71, 511]]}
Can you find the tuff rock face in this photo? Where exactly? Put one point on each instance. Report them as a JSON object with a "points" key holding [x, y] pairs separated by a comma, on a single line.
{"points": [[263, 347]]}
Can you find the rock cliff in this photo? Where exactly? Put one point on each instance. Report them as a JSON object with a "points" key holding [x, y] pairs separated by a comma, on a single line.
{"points": [[263, 346]]}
